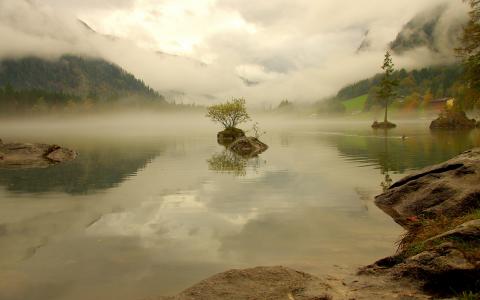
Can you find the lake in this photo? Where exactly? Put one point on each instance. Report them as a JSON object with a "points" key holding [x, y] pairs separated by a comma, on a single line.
{"points": [[151, 207]]}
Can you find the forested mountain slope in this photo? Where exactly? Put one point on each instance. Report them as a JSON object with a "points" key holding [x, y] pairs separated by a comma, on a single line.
{"points": [[73, 75]]}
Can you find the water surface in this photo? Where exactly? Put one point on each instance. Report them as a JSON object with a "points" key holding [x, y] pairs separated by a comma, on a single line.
{"points": [[150, 208]]}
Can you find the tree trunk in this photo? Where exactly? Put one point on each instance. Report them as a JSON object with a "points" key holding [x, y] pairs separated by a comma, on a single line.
{"points": [[386, 112]]}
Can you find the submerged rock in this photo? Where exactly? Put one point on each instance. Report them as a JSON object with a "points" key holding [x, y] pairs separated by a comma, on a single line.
{"points": [[448, 189], [383, 125], [229, 135], [27, 155], [247, 146], [452, 119]]}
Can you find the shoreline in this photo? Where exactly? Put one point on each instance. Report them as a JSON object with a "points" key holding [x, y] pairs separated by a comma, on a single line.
{"points": [[33, 155], [438, 257]]}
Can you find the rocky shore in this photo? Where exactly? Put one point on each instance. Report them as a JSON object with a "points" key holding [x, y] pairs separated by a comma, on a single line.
{"points": [[452, 119], [28, 155], [440, 209], [438, 257]]}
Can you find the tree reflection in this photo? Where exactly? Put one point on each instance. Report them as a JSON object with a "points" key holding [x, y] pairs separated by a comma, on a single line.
{"points": [[384, 159], [387, 183], [393, 153], [229, 162], [99, 166]]}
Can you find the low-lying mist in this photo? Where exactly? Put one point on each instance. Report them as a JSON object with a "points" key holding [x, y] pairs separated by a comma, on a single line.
{"points": [[170, 124], [258, 58]]}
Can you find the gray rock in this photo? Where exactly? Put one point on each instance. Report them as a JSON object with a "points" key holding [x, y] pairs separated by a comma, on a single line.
{"points": [[247, 146], [469, 231], [266, 283], [451, 189], [441, 259], [451, 119], [229, 135], [383, 125], [27, 155]]}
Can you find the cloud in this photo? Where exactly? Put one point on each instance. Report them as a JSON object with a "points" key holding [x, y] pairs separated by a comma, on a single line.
{"points": [[86, 5], [301, 50]]}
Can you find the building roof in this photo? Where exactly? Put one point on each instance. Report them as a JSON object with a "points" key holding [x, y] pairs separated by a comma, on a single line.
{"points": [[441, 100]]}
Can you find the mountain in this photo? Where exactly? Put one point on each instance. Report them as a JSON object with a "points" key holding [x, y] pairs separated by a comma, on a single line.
{"points": [[414, 86], [366, 42], [73, 75], [437, 29]]}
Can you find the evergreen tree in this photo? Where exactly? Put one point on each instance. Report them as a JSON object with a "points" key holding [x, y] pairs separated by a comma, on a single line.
{"points": [[386, 90]]}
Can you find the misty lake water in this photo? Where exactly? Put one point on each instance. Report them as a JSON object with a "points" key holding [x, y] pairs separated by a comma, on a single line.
{"points": [[153, 208]]}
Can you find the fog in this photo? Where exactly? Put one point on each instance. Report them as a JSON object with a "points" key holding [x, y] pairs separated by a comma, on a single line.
{"points": [[209, 50]]}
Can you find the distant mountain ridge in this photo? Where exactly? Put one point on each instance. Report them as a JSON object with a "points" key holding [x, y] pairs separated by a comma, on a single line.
{"points": [[74, 75], [436, 29]]}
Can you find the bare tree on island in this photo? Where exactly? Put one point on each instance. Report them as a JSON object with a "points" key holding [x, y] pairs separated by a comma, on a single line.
{"points": [[229, 115], [386, 90]]}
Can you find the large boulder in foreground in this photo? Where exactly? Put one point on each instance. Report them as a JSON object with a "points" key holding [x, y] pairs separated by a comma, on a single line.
{"points": [[247, 146], [229, 135], [448, 189], [280, 283], [452, 119], [439, 206], [266, 283], [27, 155], [442, 269]]}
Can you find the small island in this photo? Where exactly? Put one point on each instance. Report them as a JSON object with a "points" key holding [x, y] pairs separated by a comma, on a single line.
{"points": [[453, 118], [386, 92], [231, 114], [33, 155]]}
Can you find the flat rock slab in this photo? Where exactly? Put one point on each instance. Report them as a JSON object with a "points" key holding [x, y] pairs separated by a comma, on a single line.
{"points": [[280, 283], [450, 189], [33, 155], [469, 231], [265, 283]]}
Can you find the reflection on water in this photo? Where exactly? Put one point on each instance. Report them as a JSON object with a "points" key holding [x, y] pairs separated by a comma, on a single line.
{"points": [[229, 162], [101, 164], [146, 216], [388, 151]]}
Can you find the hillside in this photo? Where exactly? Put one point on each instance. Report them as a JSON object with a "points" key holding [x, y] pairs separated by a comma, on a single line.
{"points": [[415, 87], [72, 75], [436, 29], [69, 84]]}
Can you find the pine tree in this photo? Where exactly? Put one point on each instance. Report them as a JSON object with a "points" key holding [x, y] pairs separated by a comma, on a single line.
{"points": [[386, 90]]}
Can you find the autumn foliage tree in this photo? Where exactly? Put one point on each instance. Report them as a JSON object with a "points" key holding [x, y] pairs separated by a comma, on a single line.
{"points": [[470, 50], [229, 114]]}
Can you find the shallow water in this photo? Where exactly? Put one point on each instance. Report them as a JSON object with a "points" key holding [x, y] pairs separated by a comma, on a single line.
{"points": [[150, 209]]}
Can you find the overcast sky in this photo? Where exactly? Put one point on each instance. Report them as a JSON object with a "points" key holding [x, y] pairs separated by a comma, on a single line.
{"points": [[297, 49]]}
